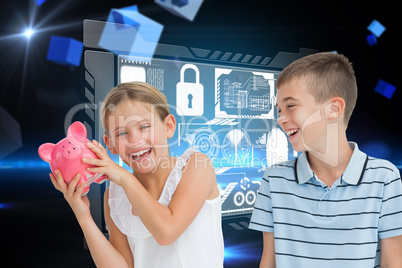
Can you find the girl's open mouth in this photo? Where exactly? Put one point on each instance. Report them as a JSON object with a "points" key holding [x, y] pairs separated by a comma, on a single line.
{"points": [[141, 154]]}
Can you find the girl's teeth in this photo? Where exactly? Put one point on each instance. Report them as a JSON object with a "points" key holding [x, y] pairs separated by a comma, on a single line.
{"points": [[140, 152], [291, 132]]}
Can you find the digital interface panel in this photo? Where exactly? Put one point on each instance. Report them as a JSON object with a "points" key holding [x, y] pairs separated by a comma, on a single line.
{"points": [[224, 105], [225, 112]]}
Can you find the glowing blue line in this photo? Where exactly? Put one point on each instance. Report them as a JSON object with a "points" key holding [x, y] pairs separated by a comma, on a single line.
{"points": [[23, 164], [4, 205], [56, 27], [33, 8], [11, 36], [24, 73], [62, 7], [242, 252]]}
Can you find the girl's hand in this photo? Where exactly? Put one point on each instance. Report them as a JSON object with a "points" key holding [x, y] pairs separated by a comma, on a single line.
{"points": [[80, 205], [105, 165]]}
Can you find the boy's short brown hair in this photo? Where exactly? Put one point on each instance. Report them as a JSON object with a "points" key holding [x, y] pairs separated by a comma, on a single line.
{"points": [[328, 75]]}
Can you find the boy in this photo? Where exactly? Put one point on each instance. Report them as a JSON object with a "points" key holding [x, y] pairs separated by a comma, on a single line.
{"points": [[333, 206]]}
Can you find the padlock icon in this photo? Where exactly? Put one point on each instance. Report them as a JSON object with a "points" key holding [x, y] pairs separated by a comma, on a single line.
{"points": [[190, 96]]}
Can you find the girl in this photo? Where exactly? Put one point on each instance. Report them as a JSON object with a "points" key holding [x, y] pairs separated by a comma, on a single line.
{"points": [[168, 212]]}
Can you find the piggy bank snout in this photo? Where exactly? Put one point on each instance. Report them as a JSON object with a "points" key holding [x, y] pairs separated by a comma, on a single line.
{"points": [[72, 151]]}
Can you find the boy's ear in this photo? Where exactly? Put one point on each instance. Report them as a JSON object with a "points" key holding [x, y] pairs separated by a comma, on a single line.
{"points": [[170, 123], [109, 143], [335, 108]]}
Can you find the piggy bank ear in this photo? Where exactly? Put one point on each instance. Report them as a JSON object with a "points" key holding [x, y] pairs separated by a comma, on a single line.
{"points": [[45, 151], [77, 131]]}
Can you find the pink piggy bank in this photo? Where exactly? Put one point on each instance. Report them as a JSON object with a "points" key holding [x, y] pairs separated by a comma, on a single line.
{"points": [[67, 155]]}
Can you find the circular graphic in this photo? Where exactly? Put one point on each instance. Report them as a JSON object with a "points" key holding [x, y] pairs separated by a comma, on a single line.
{"points": [[250, 197], [236, 145], [244, 183], [238, 199], [206, 141]]}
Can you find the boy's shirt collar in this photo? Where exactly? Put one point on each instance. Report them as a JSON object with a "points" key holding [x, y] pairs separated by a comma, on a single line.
{"points": [[353, 173]]}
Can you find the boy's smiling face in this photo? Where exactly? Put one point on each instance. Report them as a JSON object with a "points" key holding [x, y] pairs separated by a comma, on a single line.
{"points": [[300, 116]]}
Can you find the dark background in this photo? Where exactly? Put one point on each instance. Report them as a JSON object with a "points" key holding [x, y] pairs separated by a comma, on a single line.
{"points": [[37, 225]]}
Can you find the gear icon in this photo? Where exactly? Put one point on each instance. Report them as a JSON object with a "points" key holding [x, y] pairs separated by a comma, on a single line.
{"points": [[245, 183]]}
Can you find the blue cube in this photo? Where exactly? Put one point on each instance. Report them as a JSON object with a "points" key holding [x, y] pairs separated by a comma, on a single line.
{"points": [[130, 8], [385, 89], [65, 51], [39, 2], [183, 8], [127, 32], [376, 28], [124, 21], [371, 39], [179, 3]]}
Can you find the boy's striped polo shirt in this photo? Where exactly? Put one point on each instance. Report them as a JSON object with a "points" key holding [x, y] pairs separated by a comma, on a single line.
{"points": [[338, 226]]}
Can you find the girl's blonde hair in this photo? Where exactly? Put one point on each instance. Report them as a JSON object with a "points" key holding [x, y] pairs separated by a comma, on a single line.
{"points": [[136, 91]]}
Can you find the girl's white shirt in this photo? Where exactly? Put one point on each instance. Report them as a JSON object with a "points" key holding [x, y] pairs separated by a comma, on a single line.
{"points": [[200, 245]]}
